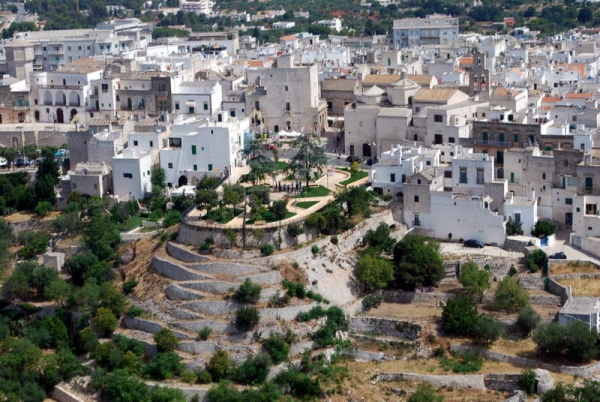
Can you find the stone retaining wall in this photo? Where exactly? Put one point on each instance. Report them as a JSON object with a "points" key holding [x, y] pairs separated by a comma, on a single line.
{"points": [[564, 292], [182, 254], [583, 371], [131, 237], [383, 326], [502, 382], [174, 271], [576, 276], [148, 326], [467, 381], [531, 281], [228, 268], [61, 394], [399, 296]]}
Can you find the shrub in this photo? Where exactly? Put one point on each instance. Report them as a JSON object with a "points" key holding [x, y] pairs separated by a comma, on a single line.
{"points": [[312, 314], [371, 301], [380, 238], [334, 240], [129, 285], [314, 249], [418, 262], [248, 292], [188, 376], [267, 249], [247, 318], [204, 333], [336, 321], [459, 315], [466, 363], [134, 311], [43, 208], [475, 280], [166, 341], [574, 341], [536, 260], [277, 347], [373, 271], [203, 376], [164, 366], [219, 366], [510, 296], [527, 381], [527, 320], [299, 384], [173, 217], [294, 289], [425, 393], [543, 228], [487, 329], [105, 321], [254, 370]]}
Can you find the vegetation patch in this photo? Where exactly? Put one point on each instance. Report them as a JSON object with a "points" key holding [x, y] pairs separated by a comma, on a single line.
{"points": [[222, 215], [354, 176], [318, 191], [305, 204]]}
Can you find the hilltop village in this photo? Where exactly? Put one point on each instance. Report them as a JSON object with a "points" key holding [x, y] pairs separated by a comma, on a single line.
{"points": [[402, 217]]}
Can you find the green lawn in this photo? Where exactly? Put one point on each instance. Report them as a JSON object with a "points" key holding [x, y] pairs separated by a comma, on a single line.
{"points": [[305, 204], [268, 217], [354, 176], [215, 215], [318, 191], [131, 223], [281, 165]]}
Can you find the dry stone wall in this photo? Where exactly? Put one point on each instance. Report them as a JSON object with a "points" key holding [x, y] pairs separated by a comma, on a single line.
{"points": [[382, 326]]}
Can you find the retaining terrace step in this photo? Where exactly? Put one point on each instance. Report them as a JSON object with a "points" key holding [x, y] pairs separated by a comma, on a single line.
{"points": [[176, 292], [182, 253], [218, 327], [175, 271], [265, 278], [213, 308], [226, 268], [208, 286]]}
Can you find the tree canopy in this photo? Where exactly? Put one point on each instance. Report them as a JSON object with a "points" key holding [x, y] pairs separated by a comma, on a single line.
{"points": [[417, 262], [310, 158]]}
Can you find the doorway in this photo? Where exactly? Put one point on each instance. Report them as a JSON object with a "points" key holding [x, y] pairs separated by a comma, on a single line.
{"points": [[60, 117]]}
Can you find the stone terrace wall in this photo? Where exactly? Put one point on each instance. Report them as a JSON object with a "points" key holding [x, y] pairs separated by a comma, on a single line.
{"points": [[502, 382], [583, 371], [468, 381], [564, 292], [382, 326], [399, 296], [182, 254]]}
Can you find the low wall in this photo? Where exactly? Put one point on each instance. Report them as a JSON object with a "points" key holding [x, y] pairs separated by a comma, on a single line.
{"points": [[399, 296], [502, 382], [174, 271], [591, 245], [383, 326], [131, 237], [564, 292], [148, 326], [467, 381], [583, 371], [61, 394], [182, 254]]}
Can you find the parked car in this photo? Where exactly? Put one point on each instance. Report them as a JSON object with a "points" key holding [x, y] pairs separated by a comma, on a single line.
{"points": [[558, 256], [372, 161], [20, 162], [353, 158], [473, 243]]}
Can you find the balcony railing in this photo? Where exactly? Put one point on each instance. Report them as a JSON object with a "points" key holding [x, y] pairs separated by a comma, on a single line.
{"points": [[55, 86], [416, 222]]}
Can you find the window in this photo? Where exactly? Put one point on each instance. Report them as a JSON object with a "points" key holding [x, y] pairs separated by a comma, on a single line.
{"points": [[79, 48], [135, 143], [568, 201], [170, 165], [128, 175], [438, 118], [589, 183], [543, 176], [516, 138], [205, 106], [104, 88], [428, 163], [257, 105], [416, 198], [463, 175], [195, 168], [176, 105], [151, 143], [232, 112], [286, 88], [591, 209], [287, 106], [480, 179], [393, 177], [451, 140], [448, 174], [417, 109], [193, 150], [68, 47]]}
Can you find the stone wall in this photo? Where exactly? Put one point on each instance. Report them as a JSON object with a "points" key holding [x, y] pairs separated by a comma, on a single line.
{"points": [[531, 281], [148, 326], [556, 288], [383, 326], [582, 371], [502, 382], [61, 394], [174, 271], [183, 254], [468, 381], [131, 237], [399, 296]]}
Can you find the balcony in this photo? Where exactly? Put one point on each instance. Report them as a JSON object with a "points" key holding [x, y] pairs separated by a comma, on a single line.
{"points": [[416, 222], [54, 86]]}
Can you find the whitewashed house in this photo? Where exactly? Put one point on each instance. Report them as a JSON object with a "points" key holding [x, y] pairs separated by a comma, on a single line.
{"points": [[131, 174]]}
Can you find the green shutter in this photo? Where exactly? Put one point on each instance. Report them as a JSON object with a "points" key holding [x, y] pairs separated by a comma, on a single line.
{"points": [[193, 150]]}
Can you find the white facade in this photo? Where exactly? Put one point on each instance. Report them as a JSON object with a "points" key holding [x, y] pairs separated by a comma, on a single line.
{"points": [[433, 30], [197, 97], [335, 24], [198, 7], [131, 174], [388, 176], [196, 150], [522, 210]]}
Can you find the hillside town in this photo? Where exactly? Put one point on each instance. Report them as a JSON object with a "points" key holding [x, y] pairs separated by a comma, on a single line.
{"points": [[342, 188]]}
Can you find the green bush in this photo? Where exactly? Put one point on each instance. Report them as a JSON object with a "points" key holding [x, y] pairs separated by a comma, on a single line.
{"points": [[134, 311], [166, 341], [267, 249], [300, 385], [203, 376], [371, 301], [294, 289], [164, 366], [536, 260], [247, 318], [425, 393], [188, 376], [459, 315], [277, 347], [314, 249], [543, 228], [105, 321], [43, 208], [254, 370], [334, 240], [312, 314], [248, 292], [219, 366], [336, 321], [173, 217], [467, 363], [129, 285], [204, 333], [510, 296], [374, 271], [527, 381], [487, 330], [574, 341], [527, 320]]}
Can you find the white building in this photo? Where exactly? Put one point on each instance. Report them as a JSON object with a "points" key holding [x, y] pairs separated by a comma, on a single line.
{"points": [[334, 24], [198, 7], [433, 30], [132, 174], [199, 97], [209, 148], [522, 210], [91, 179], [284, 24]]}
